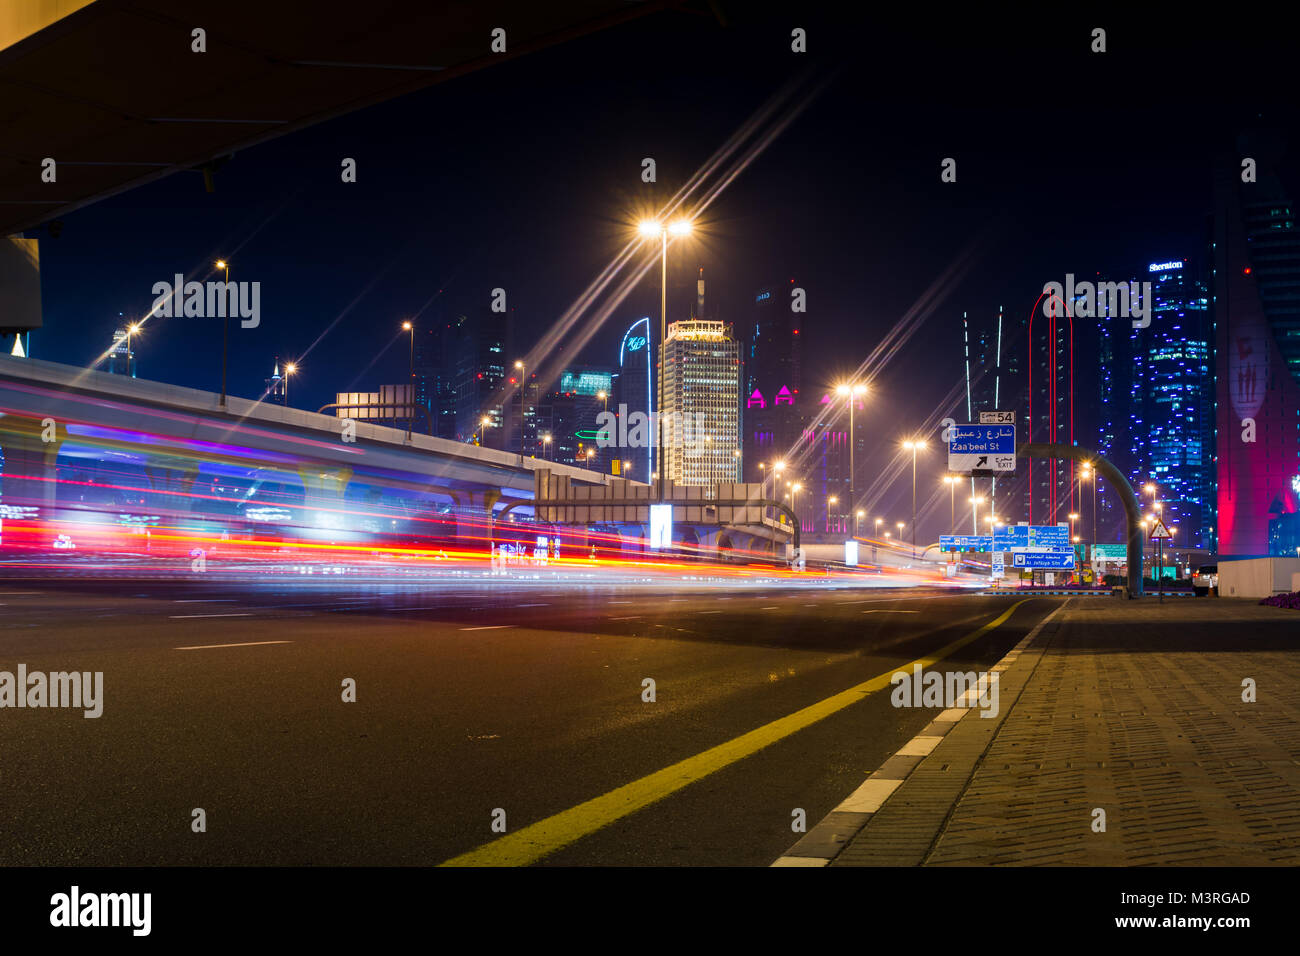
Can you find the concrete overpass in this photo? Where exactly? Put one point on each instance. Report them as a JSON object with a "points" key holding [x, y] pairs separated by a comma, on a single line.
{"points": [[53, 415]]}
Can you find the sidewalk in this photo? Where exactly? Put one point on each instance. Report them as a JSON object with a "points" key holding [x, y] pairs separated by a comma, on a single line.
{"points": [[1131, 707]]}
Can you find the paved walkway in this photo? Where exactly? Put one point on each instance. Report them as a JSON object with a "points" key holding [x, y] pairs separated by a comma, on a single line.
{"points": [[1130, 707]]}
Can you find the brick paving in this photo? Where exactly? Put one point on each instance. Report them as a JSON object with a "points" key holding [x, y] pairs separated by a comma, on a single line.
{"points": [[1131, 707]]}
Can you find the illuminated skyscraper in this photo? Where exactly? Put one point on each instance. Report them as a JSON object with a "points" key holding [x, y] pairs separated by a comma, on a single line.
{"points": [[701, 409], [772, 407], [635, 390], [1256, 321]]}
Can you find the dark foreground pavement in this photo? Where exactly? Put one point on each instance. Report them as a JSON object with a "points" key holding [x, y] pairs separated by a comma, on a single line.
{"points": [[1131, 710], [470, 699]]}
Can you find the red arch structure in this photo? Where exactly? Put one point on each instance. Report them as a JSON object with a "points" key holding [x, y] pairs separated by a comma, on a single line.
{"points": [[1053, 426]]}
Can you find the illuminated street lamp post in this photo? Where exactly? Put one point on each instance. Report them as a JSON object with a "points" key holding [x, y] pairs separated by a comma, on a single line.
{"points": [[131, 329], [225, 331], [650, 229], [851, 393], [546, 447], [1089, 475], [289, 369], [914, 447], [410, 380], [951, 482], [523, 405], [974, 512], [857, 521]]}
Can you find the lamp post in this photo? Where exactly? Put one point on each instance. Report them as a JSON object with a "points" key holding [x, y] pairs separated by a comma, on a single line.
{"points": [[857, 521], [131, 329], [483, 423], [289, 369], [650, 229], [1089, 475], [590, 453], [914, 447], [794, 498], [974, 512], [851, 393], [410, 380], [546, 447], [951, 482], [523, 404], [225, 331]]}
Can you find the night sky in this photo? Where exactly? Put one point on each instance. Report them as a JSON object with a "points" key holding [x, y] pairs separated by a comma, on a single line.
{"points": [[527, 176]]}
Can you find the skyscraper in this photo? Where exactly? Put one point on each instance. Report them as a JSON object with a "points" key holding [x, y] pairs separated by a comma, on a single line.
{"points": [[1255, 310], [701, 407], [480, 377], [772, 358], [635, 388]]}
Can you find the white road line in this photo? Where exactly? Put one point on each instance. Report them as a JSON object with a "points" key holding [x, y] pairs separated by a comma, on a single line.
{"points": [[708, 612], [919, 746], [206, 601], [774, 607], [869, 797], [12, 593], [532, 605], [632, 618], [618, 602], [487, 627], [177, 617], [888, 611], [801, 861], [204, 647]]}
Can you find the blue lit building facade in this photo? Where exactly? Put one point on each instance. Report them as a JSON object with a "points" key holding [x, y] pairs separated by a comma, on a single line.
{"points": [[1157, 418]]}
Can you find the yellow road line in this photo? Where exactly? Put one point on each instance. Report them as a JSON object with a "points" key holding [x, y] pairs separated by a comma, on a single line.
{"points": [[555, 832]]}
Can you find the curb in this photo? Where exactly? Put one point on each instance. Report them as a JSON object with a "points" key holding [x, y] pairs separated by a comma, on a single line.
{"points": [[824, 841]]}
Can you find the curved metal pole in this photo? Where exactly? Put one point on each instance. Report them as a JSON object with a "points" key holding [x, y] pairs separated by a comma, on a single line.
{"points": [[1132, 509]]}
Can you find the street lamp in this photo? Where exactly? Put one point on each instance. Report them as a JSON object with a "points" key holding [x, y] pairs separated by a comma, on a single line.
{"points": [[225, 330], [974, 511], [523, 404], [914, 447], [546, 446], [951, 482], [131, 329], [591, 452], [483, 423], [857, 521], [794, 498], [410, 381], [1089, 474], [604, 397], [289, 369], [851, 393], [879, 522], [650, 229]]}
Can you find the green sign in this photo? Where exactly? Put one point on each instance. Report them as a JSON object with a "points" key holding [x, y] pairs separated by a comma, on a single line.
{"points": [[1110, 552]]}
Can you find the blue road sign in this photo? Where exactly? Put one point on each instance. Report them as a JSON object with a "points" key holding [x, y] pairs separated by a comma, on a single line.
{"points": [[1014, 536], [965, 542], [1052, 560], [982, 448]]}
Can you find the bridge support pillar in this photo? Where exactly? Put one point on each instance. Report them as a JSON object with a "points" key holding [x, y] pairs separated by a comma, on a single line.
{"points": [[31, 450], [172, 479], [323, 492]]}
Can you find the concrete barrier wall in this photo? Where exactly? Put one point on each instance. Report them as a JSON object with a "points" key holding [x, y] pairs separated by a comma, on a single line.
{"points": [[1257, 577]]}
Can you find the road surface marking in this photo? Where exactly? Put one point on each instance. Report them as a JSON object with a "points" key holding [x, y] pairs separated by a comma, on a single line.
{"points": [[204, 647], [12, 593], [537, 840], [869, 797], [532, 605], [800, 861], [618, 602], [918, 746], [888, 611], [177, 617], [708, 612], [774, 607], [206, 601], [635, 617], [487, 627]]}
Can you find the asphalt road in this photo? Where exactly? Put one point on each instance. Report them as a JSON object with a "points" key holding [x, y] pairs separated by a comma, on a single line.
{"points": [[469, 699]]}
